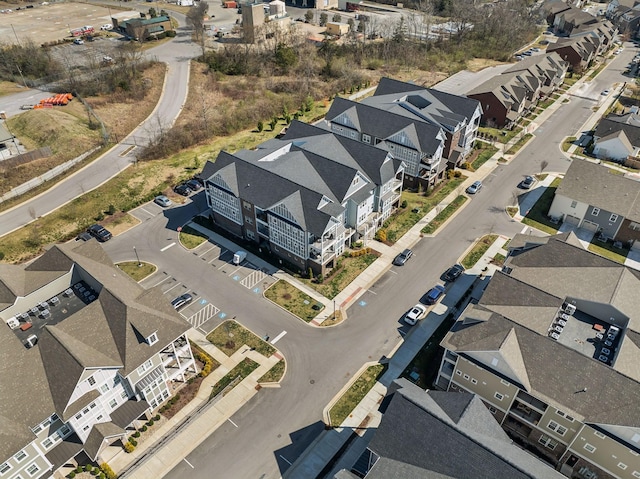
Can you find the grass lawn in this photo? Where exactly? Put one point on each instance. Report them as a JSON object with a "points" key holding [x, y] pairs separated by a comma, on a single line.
{"points": [[138, 271], [274, 374], [567, 142], [484, 155], [546, 103], [348, 268], [191, 238], [519, 144], [402, 221], [352, 396], [479, 249], [293, 300], [230, 336], [512, 210], [503, 136], [608, 251], [537, 216], [238, 373], [498, 259], [444, 215]]}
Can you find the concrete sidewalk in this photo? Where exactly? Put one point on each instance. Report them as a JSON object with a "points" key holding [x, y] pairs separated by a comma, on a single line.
{"points": [[181, 434]]}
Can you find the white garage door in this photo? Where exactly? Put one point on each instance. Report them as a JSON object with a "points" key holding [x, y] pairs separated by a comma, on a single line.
{"points": [[589, 226], [572, 220]]}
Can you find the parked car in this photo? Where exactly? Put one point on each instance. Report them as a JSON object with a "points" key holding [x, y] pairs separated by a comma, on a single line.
{"points": [[162, 200], [403, 257], [182, 189], [415, 314], [535, 50], [106, 26], [181, 301], [434, 294], [474, 188], [194, 185], [78, 41], [527, 183], [99, 232], [453, 273]]}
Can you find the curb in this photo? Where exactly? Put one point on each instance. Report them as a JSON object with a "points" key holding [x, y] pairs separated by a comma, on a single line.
{"points": [[310, 323]]}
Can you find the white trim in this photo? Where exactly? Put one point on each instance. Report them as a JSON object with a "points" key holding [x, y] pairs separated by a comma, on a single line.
{"points": [[589, 448]]}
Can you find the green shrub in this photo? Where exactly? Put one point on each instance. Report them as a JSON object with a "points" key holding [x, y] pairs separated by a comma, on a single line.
{"points": [[143, 428], [403, 204], [128, 447], [157, 416], [95, 472], [136, 434], [71, 475], [171, 33], [88, 468], [133, 441], [108, 472], [150, 423]]}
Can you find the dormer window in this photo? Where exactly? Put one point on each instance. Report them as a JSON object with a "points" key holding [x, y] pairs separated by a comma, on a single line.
{"points": [[152, 339]]}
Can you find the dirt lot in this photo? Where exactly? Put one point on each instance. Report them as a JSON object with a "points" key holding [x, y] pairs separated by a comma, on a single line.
{"points": [[46, 23]]}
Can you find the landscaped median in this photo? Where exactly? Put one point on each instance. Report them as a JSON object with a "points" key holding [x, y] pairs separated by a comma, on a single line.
{"points": [[289, 297], [191, 238], [441, 217], [478, 250], [137, 270], [342, 408]]}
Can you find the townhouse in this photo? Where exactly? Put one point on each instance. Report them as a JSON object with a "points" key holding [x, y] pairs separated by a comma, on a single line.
{"points": [[601, 200], [507, 97], [625, 14], [428, 129], [86, 352], [551, 347], [305, 197], [579, 52], [617, 137], [426, 434]]}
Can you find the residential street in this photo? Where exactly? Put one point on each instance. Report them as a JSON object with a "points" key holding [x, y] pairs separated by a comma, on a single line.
{"points": [[273, 429]]}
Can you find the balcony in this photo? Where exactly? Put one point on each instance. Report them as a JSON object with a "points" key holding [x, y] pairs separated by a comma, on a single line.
{"points": [[525, 412], [529, 400], [447, 369]]}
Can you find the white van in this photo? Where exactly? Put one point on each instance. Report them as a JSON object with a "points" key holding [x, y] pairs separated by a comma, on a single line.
{"points": [[239, 257]]}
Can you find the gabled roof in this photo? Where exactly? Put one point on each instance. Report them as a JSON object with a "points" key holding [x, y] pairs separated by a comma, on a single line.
{"points": [[382, 124], [629, 123], [433, 434], [100, 335], [99, 433], [598, 186]]}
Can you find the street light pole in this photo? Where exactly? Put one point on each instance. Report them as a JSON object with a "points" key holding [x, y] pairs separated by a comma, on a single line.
{"points": [[137, 257]]}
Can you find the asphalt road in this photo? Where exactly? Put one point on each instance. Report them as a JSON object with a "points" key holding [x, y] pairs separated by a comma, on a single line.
{"points": [[177, 54], [278, 424]]}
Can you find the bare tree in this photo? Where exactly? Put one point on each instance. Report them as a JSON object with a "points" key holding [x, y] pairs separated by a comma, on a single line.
{"points": [[195, 18]]}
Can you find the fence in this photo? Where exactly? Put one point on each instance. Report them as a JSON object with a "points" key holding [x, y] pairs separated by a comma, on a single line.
{"points": [[49, 175], [27, 157]]}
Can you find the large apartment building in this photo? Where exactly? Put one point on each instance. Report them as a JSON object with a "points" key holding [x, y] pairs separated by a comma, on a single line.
{"points": [[428, 129], [85, 352], [553, 348], [304, 197]]}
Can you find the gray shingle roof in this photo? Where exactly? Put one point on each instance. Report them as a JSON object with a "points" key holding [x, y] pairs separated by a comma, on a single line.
{"points": [[628, 123], [598, 186], [100, 432], [430, 434], [99, 335]]}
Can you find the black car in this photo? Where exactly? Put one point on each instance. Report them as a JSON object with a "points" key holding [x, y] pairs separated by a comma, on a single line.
{"points": [[182, 189], [453, 273], [402, 258], [194, 185], [527, 183], [181, 301], [99, 232]]}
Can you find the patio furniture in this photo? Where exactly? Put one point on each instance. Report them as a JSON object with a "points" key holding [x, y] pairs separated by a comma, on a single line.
{"points": [[45, 314], [43, 305], [68, 292], [81, 289], [608, 343], [92, 297], [604, 359], [562, 322], [54, 300], [599, 336], [558, 328], [24, 316], [25, 326], [554, 335], [564, 316], [34, 311], [598, 327]]}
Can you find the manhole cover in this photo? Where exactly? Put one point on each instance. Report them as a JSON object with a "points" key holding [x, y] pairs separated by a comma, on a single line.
{"points": [[313, 381]]}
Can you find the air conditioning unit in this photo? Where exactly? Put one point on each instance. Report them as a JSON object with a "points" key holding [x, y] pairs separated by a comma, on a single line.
{"points": [[570, 309], [31, 341], [13, 323]]}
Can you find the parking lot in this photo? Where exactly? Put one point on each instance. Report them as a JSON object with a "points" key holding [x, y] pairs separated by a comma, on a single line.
{"points": [[202, 312]]}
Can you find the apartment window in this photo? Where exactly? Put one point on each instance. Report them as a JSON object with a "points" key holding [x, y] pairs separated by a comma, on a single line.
{"points": [[636, 474], [248, 220], [466, 377], [366, 138], [251, 235], [492, 410], [79, 415], [99, 417], [47, 443], [613, 218], [92, 405], [116, 379], [634, 226], [564, 415], [91, 381], [85, 410], [124, 395], [355, 181], [145, 366], [33, 469], [104, 388], [622, 466], [599, 434], [85, 428], [246, 206], [153, 339], [459, 373], [64, 431], [498, 396], [474, 381], [113, 403], [17, 476], [574, 204], [37, 429], [595, 212], [506, 383], [4, 468], [554, 426], [20, 456], [547, 442], [589, 448]]}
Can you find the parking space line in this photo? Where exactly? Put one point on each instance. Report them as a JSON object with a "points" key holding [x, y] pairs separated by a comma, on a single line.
{"points": [[174, 286], [168, 246], [213, 247], [162, 281], [147, 212]]}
